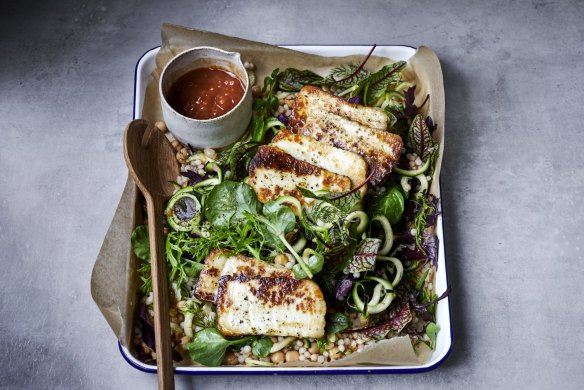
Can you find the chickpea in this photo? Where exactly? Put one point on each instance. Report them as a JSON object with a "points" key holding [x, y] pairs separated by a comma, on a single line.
{"points": [[334, 354], [185, 340], [281, 259], [145, 348], [160, 125], [314, 348], [182, 156], [277, 357], [292, 356], [230, 359], [211, 153], [176, 145], [256, 91]]}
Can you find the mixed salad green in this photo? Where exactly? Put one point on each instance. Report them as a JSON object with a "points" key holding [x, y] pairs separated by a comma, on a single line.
{"points": [[369, 256]]}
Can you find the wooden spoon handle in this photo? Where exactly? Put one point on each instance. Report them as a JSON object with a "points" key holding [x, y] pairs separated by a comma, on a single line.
{"points": [[155, 207]]}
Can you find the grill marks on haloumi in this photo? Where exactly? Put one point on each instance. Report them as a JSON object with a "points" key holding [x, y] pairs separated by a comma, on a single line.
{"points": [[270, 306], [274, 173], [324, 156], [221, 262], [313, 98], [257, 298], [358, 129]]}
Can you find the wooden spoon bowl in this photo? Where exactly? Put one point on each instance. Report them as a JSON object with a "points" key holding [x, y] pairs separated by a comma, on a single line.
{"points": [[152, 164]]}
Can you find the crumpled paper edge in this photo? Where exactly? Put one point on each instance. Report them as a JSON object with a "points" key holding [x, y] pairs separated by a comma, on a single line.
{"points": [[114, 280]]}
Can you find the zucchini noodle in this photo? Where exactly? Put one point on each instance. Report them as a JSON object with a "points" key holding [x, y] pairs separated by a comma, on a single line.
{"points": [[358, 216], [388, 237], [399, 268]]}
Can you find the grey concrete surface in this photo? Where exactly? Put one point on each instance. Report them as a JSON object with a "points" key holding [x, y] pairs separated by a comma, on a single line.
{"points": [[512, 178]]}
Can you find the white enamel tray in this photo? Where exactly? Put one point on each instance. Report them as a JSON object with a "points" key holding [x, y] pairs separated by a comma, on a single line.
{"points": [[146, 64]]}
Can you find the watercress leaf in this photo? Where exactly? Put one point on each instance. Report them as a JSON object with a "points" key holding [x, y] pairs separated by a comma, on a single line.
{"points": [[292, 80], [271, 239], [141, 243], [261, 347], [376, 84], [420, 140], [364, 257], [208, 347], [431, 330], [280, 217], [336, 322], [391, 205], [228, 201]]}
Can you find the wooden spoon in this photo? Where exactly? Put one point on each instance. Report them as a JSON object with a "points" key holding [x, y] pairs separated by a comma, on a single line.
{"points": [[152, 164]]}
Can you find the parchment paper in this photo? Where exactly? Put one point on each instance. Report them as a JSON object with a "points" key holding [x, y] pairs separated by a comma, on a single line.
{"points": [[114, 281]]}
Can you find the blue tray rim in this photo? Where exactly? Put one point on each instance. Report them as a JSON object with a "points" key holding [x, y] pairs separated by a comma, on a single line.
{"points": [[318, 371]]}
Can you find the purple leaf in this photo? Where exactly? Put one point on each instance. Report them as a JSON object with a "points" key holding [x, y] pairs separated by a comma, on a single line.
{"points": [[432, 216], [407, 250], [355, 99], [398, 317], [282, 118], [343, 287], [147, 327], [431, 125], [422, 309], [420, 140], [410, 109], [194, 177], [430, 246], [148, 332], [364, 257], [359, 68]]}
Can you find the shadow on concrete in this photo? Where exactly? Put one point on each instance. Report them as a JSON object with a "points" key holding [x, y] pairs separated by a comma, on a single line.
{"points": [[458, 147]]}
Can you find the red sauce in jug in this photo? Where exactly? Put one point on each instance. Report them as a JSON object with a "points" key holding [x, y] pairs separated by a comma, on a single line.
{"points": [[206, 93]]}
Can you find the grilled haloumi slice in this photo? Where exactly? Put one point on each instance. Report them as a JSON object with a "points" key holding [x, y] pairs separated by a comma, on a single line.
{"points": [[270, 306], [380, 149], [313, 98], [324, 156], [222, 262], [274, 173]]}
